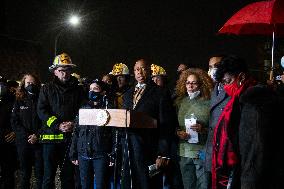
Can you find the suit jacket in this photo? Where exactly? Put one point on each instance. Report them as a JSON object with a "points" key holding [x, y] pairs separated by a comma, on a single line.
{"points": [[157, 103], [218, 102]]}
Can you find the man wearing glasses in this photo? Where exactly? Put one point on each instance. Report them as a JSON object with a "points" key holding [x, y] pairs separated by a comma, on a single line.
{"points": [[59, 102]]}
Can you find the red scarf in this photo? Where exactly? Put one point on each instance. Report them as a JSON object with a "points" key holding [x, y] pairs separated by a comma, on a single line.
{"points": [[225, 147]]}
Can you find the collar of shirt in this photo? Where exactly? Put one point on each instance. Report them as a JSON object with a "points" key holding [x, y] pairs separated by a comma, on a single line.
{"points": [[220, 87], [140, 85]]}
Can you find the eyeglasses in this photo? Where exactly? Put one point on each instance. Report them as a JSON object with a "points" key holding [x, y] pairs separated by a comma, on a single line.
{"points": [[191, 83], [65, 70]]}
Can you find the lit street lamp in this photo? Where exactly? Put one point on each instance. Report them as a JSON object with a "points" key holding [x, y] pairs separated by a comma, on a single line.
{"points": [[73, 21]]}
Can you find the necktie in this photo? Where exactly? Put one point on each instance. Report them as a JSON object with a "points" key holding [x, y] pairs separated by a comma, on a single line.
{"points": [[137, 94]]}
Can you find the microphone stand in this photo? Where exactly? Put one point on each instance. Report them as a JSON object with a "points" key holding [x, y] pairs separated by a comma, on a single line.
{"points": [[128, 153], [115, 153], [115, 159]]}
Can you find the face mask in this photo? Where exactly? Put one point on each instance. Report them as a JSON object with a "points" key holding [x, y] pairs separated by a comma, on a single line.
{"points": [[212, 73], [32, 88], [193, 95], [3, 90], [94, 96], [282, 62], [232, 88]]}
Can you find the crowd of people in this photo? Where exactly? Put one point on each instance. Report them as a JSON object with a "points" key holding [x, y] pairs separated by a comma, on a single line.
{"points": [[218, 128]]}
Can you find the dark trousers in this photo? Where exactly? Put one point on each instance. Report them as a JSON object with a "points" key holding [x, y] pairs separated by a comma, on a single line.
{"points": [[30, 154], [98, 167], [173, 178], [55, 155], [209, 179], [8, 165], [137, 174]]}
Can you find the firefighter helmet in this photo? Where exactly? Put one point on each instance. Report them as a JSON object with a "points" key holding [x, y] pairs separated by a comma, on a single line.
{"points": [[61, 60], [157, 70], [120, 69]]}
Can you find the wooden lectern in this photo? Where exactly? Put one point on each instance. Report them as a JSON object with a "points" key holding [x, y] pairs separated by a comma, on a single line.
{"points": [[116, 118]]}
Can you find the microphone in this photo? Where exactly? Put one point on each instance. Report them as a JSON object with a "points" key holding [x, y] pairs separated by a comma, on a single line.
{"points": [[105, 100]]}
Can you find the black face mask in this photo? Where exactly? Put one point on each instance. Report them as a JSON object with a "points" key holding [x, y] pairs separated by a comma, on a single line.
{"points": [[32, 88], [3, 90], [95, 96]]}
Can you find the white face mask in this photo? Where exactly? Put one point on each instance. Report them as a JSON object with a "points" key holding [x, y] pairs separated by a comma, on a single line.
{"points": [[212, 73], [282, 62], [193, 95]]}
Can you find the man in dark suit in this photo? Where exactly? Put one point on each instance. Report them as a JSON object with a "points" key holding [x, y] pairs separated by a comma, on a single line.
{"points": [[142, 146]]}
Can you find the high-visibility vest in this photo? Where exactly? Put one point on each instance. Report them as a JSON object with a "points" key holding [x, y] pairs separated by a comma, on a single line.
{"points": [[52, 137]]}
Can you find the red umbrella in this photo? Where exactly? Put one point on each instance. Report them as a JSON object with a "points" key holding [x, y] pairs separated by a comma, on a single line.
{"points": [[259, 18]]}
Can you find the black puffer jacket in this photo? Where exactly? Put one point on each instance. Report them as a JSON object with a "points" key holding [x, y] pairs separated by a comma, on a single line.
{"points": [[25, 120], [259, 139], [58, 103], [90, 141]]}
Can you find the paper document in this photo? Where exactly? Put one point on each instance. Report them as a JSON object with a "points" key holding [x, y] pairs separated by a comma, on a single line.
{"points": [[193, 134]]}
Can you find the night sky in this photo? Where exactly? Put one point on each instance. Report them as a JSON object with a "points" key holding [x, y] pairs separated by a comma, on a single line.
{"points": [[167, 32]]}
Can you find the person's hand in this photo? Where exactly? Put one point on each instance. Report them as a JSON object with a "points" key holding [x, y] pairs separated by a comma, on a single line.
{"points": [[162, 162], [66, 126], [62, 127], [282, 78], [183, 135], [75, 162], [270, 82], [10, 137], [32, 139], [111, 164], [196, 127]]}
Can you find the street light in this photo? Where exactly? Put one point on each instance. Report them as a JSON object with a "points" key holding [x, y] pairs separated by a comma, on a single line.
{"points": [[74, 21]]}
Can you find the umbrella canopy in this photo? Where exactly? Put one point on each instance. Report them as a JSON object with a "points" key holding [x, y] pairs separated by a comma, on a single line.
{"points": [[259, 18]]}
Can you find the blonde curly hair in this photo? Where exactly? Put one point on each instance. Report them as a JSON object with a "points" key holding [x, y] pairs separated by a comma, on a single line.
{"points": [[203, 79]]}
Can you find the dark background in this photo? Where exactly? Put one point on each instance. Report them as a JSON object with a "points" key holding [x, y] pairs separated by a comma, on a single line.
{"points": [[167, 32]]}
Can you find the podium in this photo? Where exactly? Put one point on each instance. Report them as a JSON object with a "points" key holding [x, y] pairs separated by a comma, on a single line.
{"points": [[120, 118], [116, 118]]}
